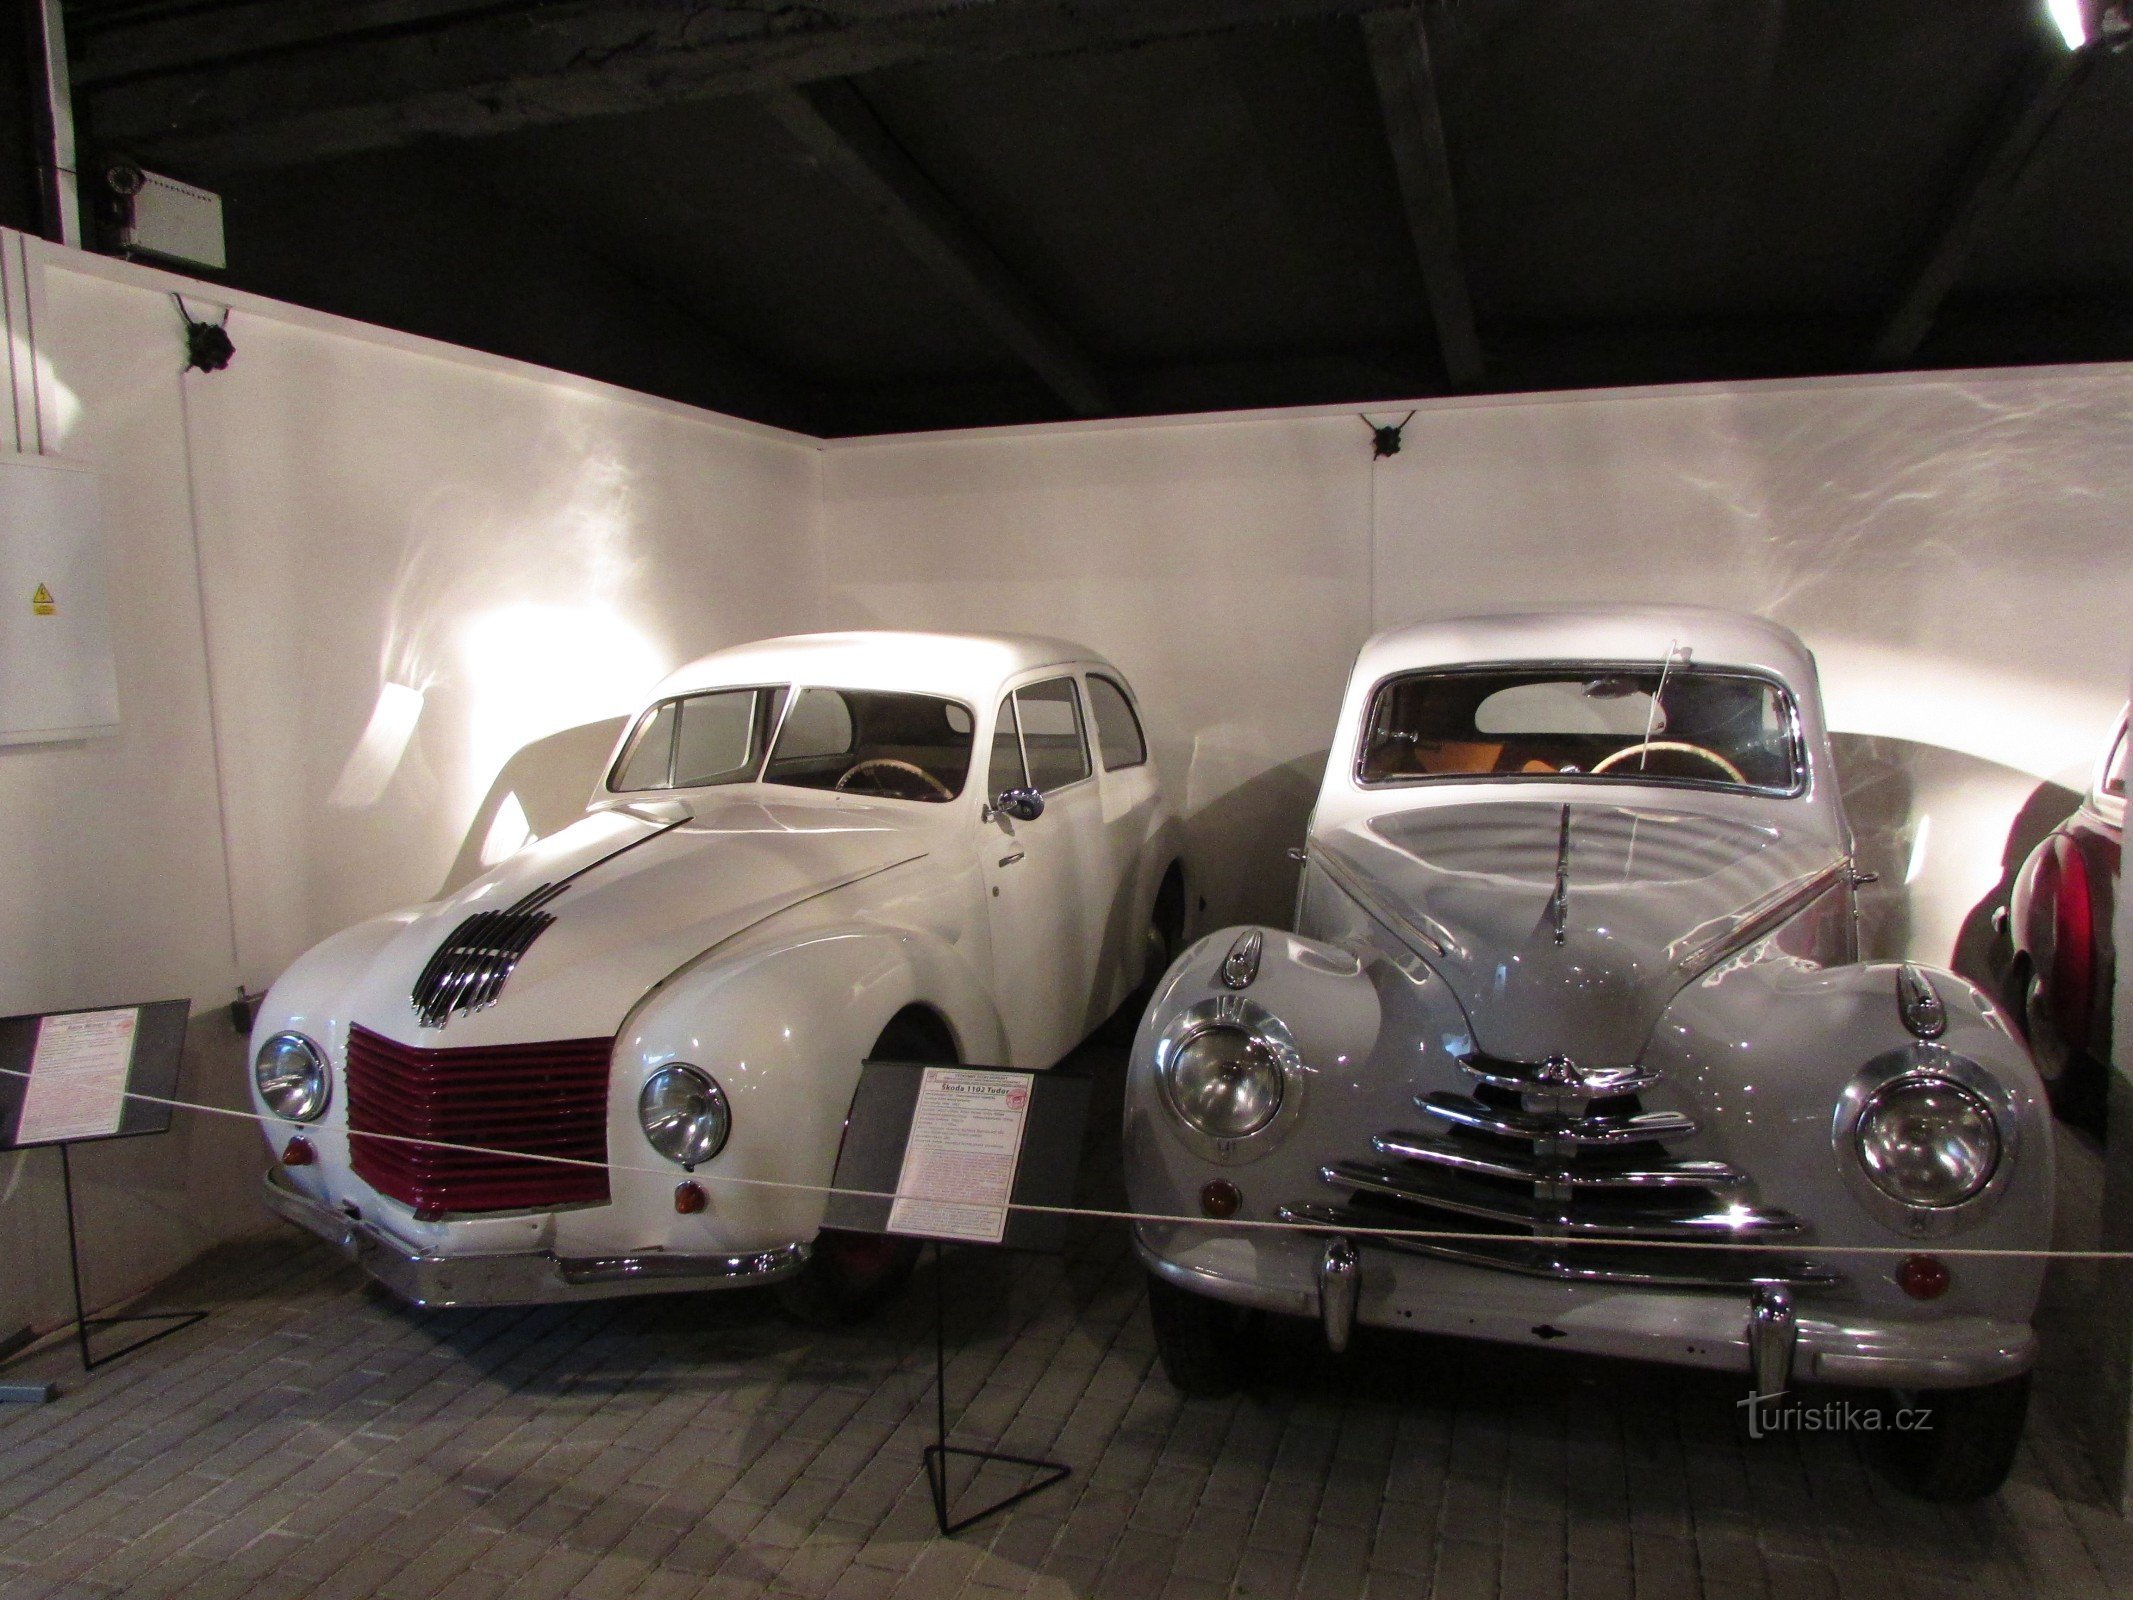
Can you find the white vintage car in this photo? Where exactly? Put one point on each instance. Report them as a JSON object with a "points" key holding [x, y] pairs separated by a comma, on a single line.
{"points": [[1573, 1048], [805, 853]]}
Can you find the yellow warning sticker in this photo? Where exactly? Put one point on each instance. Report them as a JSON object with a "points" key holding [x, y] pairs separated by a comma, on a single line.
{"points": [[42, 603]]}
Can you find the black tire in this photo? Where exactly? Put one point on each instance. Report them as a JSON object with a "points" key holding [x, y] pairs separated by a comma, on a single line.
{"points": [[1205, 1345], [2073, 1083], [1967, 1446], [848, 1278], [1166, 927]]}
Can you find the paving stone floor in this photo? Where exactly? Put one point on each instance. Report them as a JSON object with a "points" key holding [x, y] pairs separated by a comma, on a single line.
{"points": [[315, 1439]]}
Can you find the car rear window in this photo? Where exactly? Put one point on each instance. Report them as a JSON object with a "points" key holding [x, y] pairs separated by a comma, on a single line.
{"points": [[1118, 730]]}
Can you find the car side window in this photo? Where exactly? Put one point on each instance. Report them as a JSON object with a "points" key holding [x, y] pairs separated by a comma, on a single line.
{"points": [[1118, 730], [698, 740], [1052, 742]]}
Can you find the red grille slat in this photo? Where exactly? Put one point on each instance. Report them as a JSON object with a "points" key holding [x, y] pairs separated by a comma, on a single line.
{"points": [[514, 1102]]}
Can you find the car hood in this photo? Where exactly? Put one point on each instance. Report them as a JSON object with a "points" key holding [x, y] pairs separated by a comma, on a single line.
{"points": [[606, 908], [1649, 897]]}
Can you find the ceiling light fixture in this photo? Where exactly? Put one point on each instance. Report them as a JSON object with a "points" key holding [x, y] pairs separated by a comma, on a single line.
{"points": [[2084, 22]]}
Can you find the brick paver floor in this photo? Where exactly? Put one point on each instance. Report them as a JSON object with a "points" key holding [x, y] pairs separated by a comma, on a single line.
{"points": [[315, 1439]]}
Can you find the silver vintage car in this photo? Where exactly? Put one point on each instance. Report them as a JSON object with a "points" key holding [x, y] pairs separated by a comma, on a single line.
{"points": [[1573, 1046]]}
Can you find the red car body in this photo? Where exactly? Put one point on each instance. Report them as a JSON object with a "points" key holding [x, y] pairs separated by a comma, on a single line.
{"points": [[2059, 924]]}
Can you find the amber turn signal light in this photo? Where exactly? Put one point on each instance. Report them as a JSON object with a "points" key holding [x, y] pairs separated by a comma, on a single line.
{"points": [[1220, 1198], [1923, 1277], [298, 1153], [689, 1197]]}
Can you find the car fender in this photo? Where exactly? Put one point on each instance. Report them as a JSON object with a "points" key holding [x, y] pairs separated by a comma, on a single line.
{"points": [[1762, 1052], [1332, 1006], [781, 1022]]}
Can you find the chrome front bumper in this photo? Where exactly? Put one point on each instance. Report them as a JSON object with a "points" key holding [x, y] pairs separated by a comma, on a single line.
{"points": [[424, 1278], [1836, 1344]]}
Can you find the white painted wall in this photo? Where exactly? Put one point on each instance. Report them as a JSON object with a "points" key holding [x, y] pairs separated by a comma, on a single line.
{"points": [[427, 582], [1953, 548]]}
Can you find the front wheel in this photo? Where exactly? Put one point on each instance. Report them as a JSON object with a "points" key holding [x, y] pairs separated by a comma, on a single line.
{"points": [[1205, 1345], [847, 1278], [2072, 1083], [1965, 1445]]}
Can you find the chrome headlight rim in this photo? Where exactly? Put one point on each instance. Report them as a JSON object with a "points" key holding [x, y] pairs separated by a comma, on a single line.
{"points": [[1269, 1034], [1921, 1065], [692, 1148], [289, 1096]]}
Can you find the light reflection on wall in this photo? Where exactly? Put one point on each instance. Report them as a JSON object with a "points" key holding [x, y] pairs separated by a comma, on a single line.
{"points": [[530, 670], [376, 757], [507, 627], [60, 405]]}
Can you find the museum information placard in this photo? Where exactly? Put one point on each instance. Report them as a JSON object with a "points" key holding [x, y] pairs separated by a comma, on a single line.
{"points": [[959, 1163], [77, 1087]]}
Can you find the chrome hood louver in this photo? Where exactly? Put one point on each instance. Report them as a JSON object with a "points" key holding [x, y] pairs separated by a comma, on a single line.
{"points": [[1540, 1164], [1569, 928]]}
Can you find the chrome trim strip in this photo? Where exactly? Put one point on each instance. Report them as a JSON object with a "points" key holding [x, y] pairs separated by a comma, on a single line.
{"points": [[1546, 1259], [1548, 1218], [1425, 936], [1712, 941], [1546, 1131], [536, 1277], [1546, 1177]]}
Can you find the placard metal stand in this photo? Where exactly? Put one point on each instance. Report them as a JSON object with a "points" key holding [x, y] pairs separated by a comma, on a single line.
{"points": [[872, 1158], [150, 1075]]}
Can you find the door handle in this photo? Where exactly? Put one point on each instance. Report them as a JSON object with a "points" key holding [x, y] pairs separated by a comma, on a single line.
{"points": [[1008, 861]]}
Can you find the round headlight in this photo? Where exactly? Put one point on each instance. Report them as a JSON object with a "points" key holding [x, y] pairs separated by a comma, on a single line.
{"points": [[1224, 1082], [684, 1114], [1928, 1142], [292, 1077]]}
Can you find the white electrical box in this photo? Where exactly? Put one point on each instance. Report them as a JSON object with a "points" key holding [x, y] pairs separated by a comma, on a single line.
{"points": [[57, 680], [175, 221]]}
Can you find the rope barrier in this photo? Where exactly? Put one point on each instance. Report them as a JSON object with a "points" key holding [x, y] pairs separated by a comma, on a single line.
{"points": [[1104, 1214]]}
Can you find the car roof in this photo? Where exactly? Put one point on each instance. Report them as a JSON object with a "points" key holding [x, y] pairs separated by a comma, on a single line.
{"points": [[954, 664], [1592, 633]]}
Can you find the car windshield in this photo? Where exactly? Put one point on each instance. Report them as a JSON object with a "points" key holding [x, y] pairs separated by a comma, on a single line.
{"points": [[1631, 722], [867, 741]]}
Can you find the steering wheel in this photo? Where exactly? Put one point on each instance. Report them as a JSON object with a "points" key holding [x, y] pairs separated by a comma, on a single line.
{"points": [[895, 765], [1671, 747]]}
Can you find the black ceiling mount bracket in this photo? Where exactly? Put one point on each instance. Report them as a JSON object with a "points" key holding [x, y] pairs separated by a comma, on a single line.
{"points": [[207, 344], [1385, 437]]}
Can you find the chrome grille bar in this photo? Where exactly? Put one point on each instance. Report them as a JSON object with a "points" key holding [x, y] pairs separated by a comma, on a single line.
{"points": [[1559, 1078], [1553, 1219], [1485, 1163], [1606, 1128]]}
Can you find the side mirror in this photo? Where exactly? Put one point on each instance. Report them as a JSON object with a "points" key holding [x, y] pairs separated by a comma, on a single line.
{"points": [[1024, 805]]}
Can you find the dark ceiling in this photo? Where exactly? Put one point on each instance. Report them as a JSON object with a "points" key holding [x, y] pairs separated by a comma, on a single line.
{"points": [[868, 215]]}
